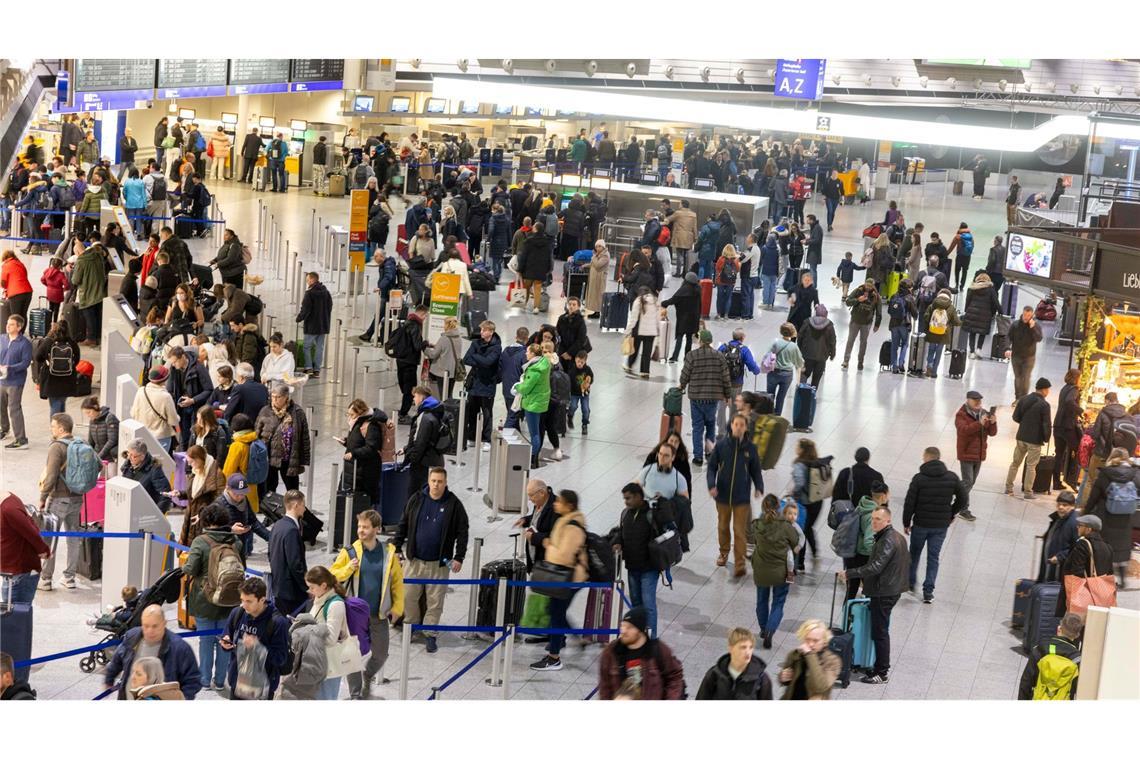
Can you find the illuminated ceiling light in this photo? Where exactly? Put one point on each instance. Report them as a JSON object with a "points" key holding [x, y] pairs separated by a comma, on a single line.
{"points": [[508, 65], [705, 72], [923, 80], [656, 108], [740, 75], [669, 71], [462, 64]]}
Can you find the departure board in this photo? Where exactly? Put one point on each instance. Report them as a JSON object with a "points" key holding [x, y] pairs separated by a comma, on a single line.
{"points": [[317, 69], [104, 74], [259, 70], [192, 77]]}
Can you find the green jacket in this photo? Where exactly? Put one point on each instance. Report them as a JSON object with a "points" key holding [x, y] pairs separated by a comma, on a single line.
{"points": [[770, 557], [534, 388], [865, 312], [942, 301], [578, 150], [196, 567], [866, 536], [90, 279], [92, 199]]}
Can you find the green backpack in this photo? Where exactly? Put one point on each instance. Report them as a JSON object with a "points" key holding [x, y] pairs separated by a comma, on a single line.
{"points": [[1055, 675]]}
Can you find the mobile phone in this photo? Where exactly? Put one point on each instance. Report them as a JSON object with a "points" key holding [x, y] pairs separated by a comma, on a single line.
{"points": [[993, 409]]}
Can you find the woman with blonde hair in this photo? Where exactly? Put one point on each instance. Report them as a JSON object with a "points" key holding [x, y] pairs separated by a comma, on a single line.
{"points": [[444, 357], [727, 273], [148, 682], [811, 669]]}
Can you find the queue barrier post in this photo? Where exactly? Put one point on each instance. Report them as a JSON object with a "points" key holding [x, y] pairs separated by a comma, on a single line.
{"points": [[445, 391], [309, 471], [146, 579], [405, 656], [500, 618], [508, 658], [349, 507], [460, 435], [355, 366], [342, 348], [478, 449], [288, 271]]}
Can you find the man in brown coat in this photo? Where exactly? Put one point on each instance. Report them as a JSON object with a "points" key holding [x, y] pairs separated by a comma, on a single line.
{"points": [[975, 426], [637, 666], [683, 223]]}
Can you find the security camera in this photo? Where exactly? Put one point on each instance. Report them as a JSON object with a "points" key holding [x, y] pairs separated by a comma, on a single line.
{"points": [[705, 72], [771, 74], [462, 64], [631, 69], [867, 79], [1119, 89], [551, 65], [669, 70], [415, 62], [508, 65], [591, 68], [953, 82], [740, 75]]}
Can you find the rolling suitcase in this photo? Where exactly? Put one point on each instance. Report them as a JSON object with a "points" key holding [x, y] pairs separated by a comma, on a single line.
{"points": [[998, 346], [958, 184], [402, 240], [471, 321], [670, 422], [857, 620], [916, 355], [1022, 589], [891, 286], [1043, 476], [1009, 298], [736, 305], [38, 321], [336, 185], [803, 407], [513, 570], [452, 405], [1040, 614], [76, 325], [185, 619], [957, 364], [842, 642], [90, 553], [599, 609], [664, 342], [393, 493], [885, 359], [615, 311], [360, 503], [479, 300], [16, 633], [706, 297]]}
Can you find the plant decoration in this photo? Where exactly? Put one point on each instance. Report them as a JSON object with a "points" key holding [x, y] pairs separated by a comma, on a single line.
{"points": [[1093, 321]]}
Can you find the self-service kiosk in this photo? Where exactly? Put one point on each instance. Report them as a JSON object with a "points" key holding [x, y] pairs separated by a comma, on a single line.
{"points": [[131, 429], [126, 387], [117, 358], [129, 510]]}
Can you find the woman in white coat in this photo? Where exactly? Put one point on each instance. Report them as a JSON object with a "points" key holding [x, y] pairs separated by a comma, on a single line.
{"points": [[644, 317], [328, 610], [452, 263]]}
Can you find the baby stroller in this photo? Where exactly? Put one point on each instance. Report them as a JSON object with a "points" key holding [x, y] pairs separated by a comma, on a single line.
{"points": [[164, 591]]}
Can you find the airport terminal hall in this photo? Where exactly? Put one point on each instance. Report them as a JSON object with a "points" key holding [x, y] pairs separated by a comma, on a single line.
{"points": [[573, 378]]}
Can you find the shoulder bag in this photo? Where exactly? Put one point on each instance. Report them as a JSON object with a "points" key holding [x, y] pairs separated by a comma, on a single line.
{"points": [[1090, 590]]}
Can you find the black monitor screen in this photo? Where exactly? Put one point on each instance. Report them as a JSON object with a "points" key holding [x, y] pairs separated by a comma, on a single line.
{"points": [[649, 178], [704, 184]]}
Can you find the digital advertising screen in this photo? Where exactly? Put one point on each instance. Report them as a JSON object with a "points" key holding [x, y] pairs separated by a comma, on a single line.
{"points": [[1029, 255]]}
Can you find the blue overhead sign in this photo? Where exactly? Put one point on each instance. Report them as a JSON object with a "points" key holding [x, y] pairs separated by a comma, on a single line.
{"points": [[800, 78]]}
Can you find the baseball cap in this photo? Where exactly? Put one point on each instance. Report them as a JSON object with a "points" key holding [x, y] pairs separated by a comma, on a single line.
{"points": [[237, 484]]}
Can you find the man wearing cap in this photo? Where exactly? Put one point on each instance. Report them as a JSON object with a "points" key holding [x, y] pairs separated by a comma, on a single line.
{"points": [[934, 497], [705, 373], [1089, 551], [154, 407], [243, 522], [1059, 537], [975, 427], [645, 666], [1033, 416]]}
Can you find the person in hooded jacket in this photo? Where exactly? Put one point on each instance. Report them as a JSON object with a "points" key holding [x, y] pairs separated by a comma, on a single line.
{"points": [[707, 248], [483, 359], [535, 264], [774, 538], [902, 310], [686, 300], [102, 429], [572, 334], [57, 380], [444, 357], [866, 316], [213, 658], [1058, 539], [944, 316], [499, 237], [982, 305], [934, 498], [817, 340], [307, 642], [1118, 471], [421, 452], [362, 445], [739, 674], [1067, 431], [770, 269], [573, 227], [811, 669]]}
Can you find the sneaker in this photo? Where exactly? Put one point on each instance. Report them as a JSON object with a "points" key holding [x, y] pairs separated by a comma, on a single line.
{"points": [[927, 599], [767, 640], [315, 373], [860, 366], [486, 447], [843, 365], [1029, 496], [967, 515], [69, 583], [3, 434], [628, 370], [431, 646], [44, 586], [534, 311], [19, 443], [876, 679], [1008, 491], [536, 640], [547, 663], [698, 463], [644, 375], [722, 560], [556, 455], [585, 428]]}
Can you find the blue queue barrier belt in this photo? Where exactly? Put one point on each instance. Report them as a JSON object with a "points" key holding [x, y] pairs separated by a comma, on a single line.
{"points": [[181, 548], [449, 582], [34, 241], [469, 665], [157, 539], [101, 647], [89, 214], [586, 698]]}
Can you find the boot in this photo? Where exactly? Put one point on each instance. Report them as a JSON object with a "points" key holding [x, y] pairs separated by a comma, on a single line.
{"points": [[585, 428], [534, 463]]}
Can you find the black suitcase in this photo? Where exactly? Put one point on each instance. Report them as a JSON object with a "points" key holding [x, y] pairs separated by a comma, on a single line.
{"points": [[791, 277], [1043, 476], [957, 364], [1040, 616], [1009, 298], [615, 311], [360, 504], [736, 305], [39, 319], [1022, 589], [272, 509], [998, 346], [916, 355], [76, 325], [91, 554], [885, 359], [574, 284], [183, 227], [842, 642], [511, 569]]}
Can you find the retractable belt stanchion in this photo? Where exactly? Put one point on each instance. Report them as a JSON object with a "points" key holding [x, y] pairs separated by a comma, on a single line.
{"points": [[333, 478], [288, 272], [298, 278], [473, 596], [508, 656], [445, 391], [405, 656], [478, 448], [346, 537], [146, 559], [270, 319], [342, 348], [500, 619], [376, 321], [460, 435], [330, 347], [309, 471], [312, 231], [355, 367]]}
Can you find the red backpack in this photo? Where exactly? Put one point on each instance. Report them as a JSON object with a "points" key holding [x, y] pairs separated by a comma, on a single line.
{"points": [[664, 236]]}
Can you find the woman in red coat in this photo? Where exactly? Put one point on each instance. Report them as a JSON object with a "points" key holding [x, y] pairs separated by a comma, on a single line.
{"points": [[57, 283], [14, 281]]}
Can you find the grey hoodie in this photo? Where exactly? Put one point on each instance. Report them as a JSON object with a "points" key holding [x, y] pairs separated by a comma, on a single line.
{"points": [[307, 643]]}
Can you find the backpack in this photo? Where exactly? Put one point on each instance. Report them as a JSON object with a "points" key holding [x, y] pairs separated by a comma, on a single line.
{"points": [[928, 287], [671, 403], [158, 189], [664, 152], [261, 352], [734, 357], [247, 258], [444, 439], [207, 199], [1055, 675], [728, 272], [398, 342], [61, 361], [224, 575], [966, 243], [819, 481], [81, 470], [257, 465], [939, 320], [884, 259], [768, 438], [724, 236], [199, 141], [66, 197], [360, 175], [275, 150], [873, 231], [254, 305], [664, 236], [896, 308], [599, 557], [1121, 498], [356, 619], [845, 539]]}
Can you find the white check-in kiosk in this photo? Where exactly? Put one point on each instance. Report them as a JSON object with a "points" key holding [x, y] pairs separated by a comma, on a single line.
{"points": [[129, 510]]}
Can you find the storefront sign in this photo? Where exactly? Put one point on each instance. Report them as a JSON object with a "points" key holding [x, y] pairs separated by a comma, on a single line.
{"points": [[800, 78], [1117, 274], [444, 302]]}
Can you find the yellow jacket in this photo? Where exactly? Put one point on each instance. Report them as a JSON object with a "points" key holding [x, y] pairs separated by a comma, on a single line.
{"points": [[392, 588], [237, 460]]}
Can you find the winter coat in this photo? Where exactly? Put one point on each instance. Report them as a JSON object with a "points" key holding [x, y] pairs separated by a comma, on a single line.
{"points": [[817, 343], [391, 584], [229, 259], [706, 241], [453, 540], [1032, 416], [572, 334], [198, 566], [564, 546], [89, 277], [868, 311], [155, 409], [150, 475], [57, 284], [773, 540], [753, 683], [1059, 539], [683, 223], [981, 305], [536, 258], [179, 664], [454, 265], [14, 278], [935, 497], [887, 571], [511, 363], [423, 435], [599, 267], [445, 355], [643, 317], [732, 467], [103, 434], [499, 233], [1091, 547], [854, 482], [822, 672], [804, 306], [1102, 428], [268, 428], [573, 220], [973, 436], [55, 386], [1023, 339], [815, 244], [662, 676], [1116, 529], [364, 467], [942, 301], [307, 641], [534, 387], [316, 310], [1066, 426], [687, 302], [483, 358]]}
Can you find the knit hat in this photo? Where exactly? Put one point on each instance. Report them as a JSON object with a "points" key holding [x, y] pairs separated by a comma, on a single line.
{"points": [[820, 310], [1089, 521], [692, 277], [159, 374], [1043, 383], [638, 617], [705, 337]]}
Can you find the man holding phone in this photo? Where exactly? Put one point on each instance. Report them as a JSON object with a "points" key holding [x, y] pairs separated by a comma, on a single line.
{"points": [[975, 426]]}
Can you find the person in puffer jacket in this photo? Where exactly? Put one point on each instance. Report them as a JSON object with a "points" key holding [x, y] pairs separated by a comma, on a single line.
{"points": [[940, 319], [102, 429], [934, 498], [307, 641], [738, 674]]}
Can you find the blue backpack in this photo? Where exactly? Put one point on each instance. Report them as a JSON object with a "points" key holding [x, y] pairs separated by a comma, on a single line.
{"points": [[1121, 498], [966, 242], [257, 466], [82, 469]]}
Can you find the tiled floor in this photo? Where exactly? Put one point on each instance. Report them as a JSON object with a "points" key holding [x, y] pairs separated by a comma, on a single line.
{"points": [[958, 648]]}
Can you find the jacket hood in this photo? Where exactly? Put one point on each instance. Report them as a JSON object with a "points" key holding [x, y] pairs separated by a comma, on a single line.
{"points": [[17, 691], [306, 620], [819, 324], [431, 402], [983, 281], [246, 436], [942, 301], [103, 412], [1120, 473], [495, 341], [867, 504], [319, 287], [752, 672], [934, 468], [250, 328], [1113, 411]]}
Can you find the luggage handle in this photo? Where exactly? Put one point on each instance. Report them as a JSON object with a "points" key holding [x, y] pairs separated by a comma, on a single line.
{"points": [[834, 591], [515, 537]]}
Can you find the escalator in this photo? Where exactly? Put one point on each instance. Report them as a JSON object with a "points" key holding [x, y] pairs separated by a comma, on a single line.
{"points": [[24, 90]]}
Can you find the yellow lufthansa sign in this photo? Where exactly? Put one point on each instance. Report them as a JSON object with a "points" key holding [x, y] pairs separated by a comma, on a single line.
{"points": [[358, 212], [444, 288]]}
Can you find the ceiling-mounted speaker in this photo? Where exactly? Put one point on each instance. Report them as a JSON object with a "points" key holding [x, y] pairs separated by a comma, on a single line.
{"points": [[631, 69], [705, 72], [591, 68], [669, 71], [462, 64], [924, 80], [551, 66], [740, 75], [508, 65]]}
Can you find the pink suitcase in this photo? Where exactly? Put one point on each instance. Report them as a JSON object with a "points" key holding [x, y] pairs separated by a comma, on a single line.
{"points": [[95, 503], [599, 605]]}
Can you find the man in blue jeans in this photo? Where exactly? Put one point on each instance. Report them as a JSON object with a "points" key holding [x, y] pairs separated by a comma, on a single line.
{"points": [[936, 495], [705, 374], [902, 311], [636, 531], [316, 319]]}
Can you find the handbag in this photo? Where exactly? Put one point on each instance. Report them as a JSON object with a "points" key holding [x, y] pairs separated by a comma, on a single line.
{"points": [[768, 363], [627, 346], [1092, 590], [344, 657], [548, 572], [536, 613]]}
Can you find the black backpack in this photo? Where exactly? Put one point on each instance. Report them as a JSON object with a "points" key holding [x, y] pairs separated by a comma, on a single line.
{"points": [[398, 342], [158, 189], [734, 357], [444, 436], [360, 175], [253, 306]]}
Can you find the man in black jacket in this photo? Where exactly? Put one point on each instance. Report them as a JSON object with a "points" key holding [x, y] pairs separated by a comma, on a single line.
{"points": [[1024, 335], [884, 579], [738, 674], [287, 563], [572, 334], [482, 360], [434, 525], [1065, 644], [250, 148], [424, 446], [316, 319], [190, 386], [855, 482], [406, 346], [935, 496], [1033, 416], [179, 253], [247, 396]]}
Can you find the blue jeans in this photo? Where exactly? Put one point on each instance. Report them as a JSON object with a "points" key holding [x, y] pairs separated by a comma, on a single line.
{"points": [[832, 205], [213, 661], [777, 210], [512, 420], [932, 538], [57, 405], [769, 283], [747, 298], [19, 588], [723, 299], [315, 350], [813, 268], [708, 268], [136, 223], [900, 339], [779, 380], [534, 427], [585, 402], [769, 620], [704, 425], [277, 174], [934, 356], [643, 593], [497, 267], [558, 619], [329, 690]]}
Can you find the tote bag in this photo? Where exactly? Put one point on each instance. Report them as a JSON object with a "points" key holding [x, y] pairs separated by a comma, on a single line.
{"points": [[344, 656], [1094, 590]]}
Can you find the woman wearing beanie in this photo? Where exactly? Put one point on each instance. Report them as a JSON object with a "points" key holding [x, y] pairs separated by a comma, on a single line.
{"points": [[816, 339]]}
